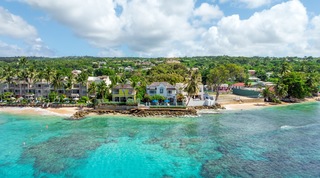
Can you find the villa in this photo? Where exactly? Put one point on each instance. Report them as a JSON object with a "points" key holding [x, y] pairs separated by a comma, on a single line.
{"points": [[123, 92], [164, 89]]}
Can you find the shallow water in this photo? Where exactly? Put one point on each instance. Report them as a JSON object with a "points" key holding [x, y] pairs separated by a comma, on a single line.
{"points": [[269, 142]]}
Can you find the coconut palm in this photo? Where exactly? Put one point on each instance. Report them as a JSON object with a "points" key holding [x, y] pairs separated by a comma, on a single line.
{"points": [[82, 80], [31, 76], [281, 90], [192, 84], [102, 89], [22, 62], [48, 74], [57, 81], [69, 83], [92, 89], [8, 75]]}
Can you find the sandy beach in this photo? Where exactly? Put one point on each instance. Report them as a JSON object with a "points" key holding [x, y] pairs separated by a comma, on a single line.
{"points": [[69, 111], [65, 111], [257, 105]]}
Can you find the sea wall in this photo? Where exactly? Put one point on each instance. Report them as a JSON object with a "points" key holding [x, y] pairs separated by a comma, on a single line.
{"points": [[174, 112]]}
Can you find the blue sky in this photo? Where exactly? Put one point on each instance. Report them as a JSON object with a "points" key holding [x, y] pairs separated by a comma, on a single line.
{"points": [[153, 28]]}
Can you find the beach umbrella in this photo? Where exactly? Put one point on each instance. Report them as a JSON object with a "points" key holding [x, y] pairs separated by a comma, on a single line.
{"points": [[76, 99], [154, 101], [166, 101]]}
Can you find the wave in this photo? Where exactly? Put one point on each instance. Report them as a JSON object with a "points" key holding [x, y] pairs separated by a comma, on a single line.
{"points": [[288, 127]]}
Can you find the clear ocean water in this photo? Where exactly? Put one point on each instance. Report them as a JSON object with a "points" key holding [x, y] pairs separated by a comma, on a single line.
{"points": [[268, 142]]}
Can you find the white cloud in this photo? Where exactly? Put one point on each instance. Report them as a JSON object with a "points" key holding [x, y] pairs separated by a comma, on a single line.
{"points": [[178, 28], [280, 30], [208, 12], [146, 27], [255, 3], [313, 36], [15, 27], [249, 3]]}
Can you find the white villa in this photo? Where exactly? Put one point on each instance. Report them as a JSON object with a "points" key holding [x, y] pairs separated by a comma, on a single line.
{"points": [[162, 88]]}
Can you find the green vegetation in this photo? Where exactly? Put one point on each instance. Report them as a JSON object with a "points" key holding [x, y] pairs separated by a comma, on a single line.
{"points": [[294, 77]]}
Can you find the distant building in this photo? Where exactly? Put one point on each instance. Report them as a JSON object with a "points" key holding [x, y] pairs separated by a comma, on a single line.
{"points": [[76, 72], [252, 72], [99, 79], [42, 88]]}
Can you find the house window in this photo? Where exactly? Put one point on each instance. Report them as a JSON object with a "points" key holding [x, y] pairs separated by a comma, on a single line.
{"points": [[161, 90], [115, 91], [152, 91], [170, 92]]}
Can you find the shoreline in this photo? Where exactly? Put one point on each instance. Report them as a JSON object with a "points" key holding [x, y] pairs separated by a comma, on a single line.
{"points": [[259, 105], [70, 111]]}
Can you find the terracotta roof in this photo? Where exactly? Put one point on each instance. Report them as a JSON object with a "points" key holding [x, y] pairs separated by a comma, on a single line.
{"points": [[238, 85]]}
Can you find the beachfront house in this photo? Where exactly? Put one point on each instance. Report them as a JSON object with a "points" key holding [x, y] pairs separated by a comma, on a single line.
{"points": [[180, 87], [123, 92], [164, 89]]}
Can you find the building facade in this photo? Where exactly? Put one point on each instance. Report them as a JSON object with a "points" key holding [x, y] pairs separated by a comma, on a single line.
{"points": [[164, 89], [123, 92]]}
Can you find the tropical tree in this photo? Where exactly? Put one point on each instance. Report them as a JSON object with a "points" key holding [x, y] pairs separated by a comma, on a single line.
{"points": [[92, 89], [57, 81], [48, 74], [285, 68], [82, 80], [31, 76], [22, 63], [102, 89], [69, 82], [296, 84], [8, 75], [223, 73], [281, 90], [313, 83], [192, 84]]}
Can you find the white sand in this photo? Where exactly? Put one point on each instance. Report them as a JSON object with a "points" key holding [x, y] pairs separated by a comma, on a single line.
{"points": [[66, 111]]}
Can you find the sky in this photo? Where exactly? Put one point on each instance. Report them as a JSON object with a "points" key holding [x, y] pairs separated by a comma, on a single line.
{"points": [[159, 28]]}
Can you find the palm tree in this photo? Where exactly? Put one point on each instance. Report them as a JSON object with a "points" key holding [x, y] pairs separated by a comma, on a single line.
{"points": [[8, 75], [92, 89], [22, 62], [102, 89], [57, 81], [267, 94], [281, 90], [285, 68], [69, 83], [82, 79], [192, 84], [48, 74], [31, 76]]}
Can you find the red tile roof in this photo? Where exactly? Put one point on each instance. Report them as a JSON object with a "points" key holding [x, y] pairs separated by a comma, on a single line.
{"points": [[238, 85]]}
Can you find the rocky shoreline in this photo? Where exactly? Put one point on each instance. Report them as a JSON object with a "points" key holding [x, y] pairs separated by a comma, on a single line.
{"points": [[150, 112], [136, 112]]}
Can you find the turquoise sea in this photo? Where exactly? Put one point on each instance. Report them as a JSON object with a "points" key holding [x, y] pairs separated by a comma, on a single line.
{"points": [[268, 142]]}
